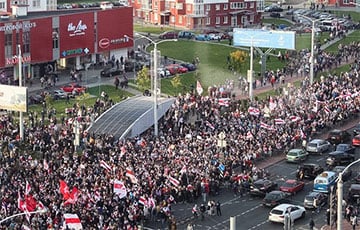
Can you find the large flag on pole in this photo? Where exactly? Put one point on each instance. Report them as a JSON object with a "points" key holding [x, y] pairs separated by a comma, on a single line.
{"points": [[120, 189], [72, 221]]}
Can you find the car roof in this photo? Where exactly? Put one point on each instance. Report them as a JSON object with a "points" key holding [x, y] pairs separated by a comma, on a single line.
{"points": [[295, 150], [312, 194], [316, 140], [337, 153], [290, 181], [336, 131], [355, 186], [276, 192], [283, 206]]}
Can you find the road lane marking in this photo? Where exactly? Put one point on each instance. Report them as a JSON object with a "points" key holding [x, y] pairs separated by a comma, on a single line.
{"points": [[258, 225]]}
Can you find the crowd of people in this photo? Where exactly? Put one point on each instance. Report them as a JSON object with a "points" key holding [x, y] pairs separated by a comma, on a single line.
{"points": [[182, 164]]}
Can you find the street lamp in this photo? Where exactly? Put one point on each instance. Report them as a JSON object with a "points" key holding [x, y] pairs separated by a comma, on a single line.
{"points": [[42, 211], [312, 47], [21, 119], [341, 195], [155, 61], [134, 67]]}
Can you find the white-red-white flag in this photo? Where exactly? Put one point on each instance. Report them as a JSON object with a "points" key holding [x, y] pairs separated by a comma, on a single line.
{"points": [[327, 110], [120, 189], [20, 202], [199, 88], [208, 124], [224, 102], [143, 201], [151, 202], [294, 118], [72, 221], [27, 188], [249, 135], [279, 121], [105, 165], [174, 181], [183, 169], [46, 165], [130, 173], [265, 126], [254, 111]]}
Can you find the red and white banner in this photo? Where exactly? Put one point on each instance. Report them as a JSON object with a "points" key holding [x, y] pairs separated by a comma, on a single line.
{"points": [[130, 173], [295, 118], [105, 165], [279, 121], [199, 88], [254, 111], [208, 124], [143, 201], [72, 221], [327, 110], [27, 188], [120, 189], [224, 102], [174, 181], [265, 126]]}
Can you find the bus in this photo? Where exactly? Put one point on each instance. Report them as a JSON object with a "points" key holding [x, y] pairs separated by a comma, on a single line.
{"points": [[324, 181]]}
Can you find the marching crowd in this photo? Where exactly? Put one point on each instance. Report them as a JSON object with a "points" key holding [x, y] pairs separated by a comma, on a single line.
{"points": [[183, 163]]}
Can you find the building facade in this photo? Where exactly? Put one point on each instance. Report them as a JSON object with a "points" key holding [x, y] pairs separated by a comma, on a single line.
{"points": [[67, 38], [197, 14], [339, 3]]}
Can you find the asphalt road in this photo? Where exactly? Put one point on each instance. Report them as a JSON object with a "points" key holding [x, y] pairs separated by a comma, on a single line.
{"points": [[249, 212]]}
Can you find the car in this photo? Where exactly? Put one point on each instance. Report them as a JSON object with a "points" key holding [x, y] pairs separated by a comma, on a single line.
{"points": [[278, 213], [292, 186], [337, 136], [353, 194], [189, 66], [176, 68], [186, 34], [318, 146], [273, 8], [59, 94], [169, 35], [130, 66], [309, 171], [164, 72], [356, 141], [296, 155], [345, 148], [339, 158], [36, 99], [276, 15], [309, 199], [356, 130], [74, 88], [215, 36], [109, 72], [346, 175], [202, 37], [274, 198], [261, 187]]}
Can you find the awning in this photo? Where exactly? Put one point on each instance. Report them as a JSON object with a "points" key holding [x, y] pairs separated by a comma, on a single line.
{"points": [[165, 13]]}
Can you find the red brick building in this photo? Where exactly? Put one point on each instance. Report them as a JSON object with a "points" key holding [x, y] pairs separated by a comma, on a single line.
{"points": [[195, 14], [70, 38]]}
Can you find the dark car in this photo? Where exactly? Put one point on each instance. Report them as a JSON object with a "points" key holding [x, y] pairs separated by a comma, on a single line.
{"points": [[261, 187], [109, 72], [354, 194], [189, 66], [273, 8], [337, 136], [186, 34], [36, 99], [357, 129], [129, 66], [339, 158], [309, 171], [346, 148], [169, 35], [274, 198], [309, 199], [276, 15], [345, 175]]}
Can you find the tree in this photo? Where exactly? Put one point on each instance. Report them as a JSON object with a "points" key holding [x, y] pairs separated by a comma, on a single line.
{"points": [[176, 81], [143, 79], [237, 58]]}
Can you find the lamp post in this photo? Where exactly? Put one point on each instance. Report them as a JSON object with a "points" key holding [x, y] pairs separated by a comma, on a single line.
{"points": [[23, 213], [134, 48], [155, 66], [341, 195], [21, 122]]}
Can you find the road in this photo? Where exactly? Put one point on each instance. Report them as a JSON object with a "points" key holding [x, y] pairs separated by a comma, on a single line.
{"points": [[249, 212]]}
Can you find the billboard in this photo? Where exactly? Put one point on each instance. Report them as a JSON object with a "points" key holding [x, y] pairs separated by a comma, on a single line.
{"points": [[77, 34], [264, 38], [114, 27], [13, 98]]}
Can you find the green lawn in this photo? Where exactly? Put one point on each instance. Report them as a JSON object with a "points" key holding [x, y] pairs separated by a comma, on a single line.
{"points": [[275, 21], [153, 29], [352, 37]]}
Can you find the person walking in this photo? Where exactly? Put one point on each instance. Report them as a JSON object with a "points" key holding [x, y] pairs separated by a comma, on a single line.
{"points": [[218, 208], [311, 223], [354, 222]]}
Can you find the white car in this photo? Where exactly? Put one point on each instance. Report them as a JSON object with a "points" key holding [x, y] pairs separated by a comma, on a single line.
{"points": [[278, 213], [164, 72], [318, 146]]}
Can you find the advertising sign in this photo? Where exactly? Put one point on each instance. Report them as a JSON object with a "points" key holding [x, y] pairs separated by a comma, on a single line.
{"points": [[264, 38], [114, 35], [77, 34], [13, 98]]}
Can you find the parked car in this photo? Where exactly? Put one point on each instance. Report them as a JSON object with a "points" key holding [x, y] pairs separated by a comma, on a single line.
{"points": [[292, 186], [215, 36], [176, 68], [273, 8], [354, 194], [110, 72], [36, 99], [319, 196], [274, 198], [356, 141], [169, 35], [345, 148], [202, 37], [74, 87], [276, 15], [278, 213], [261, 187], [186, 34], [309, 171], [337, 136], [357, 129], [296, 155], [129, 66], [339, 158], [318, 146], [189, 66], [346, 175], [59, 94], [164, 72]]}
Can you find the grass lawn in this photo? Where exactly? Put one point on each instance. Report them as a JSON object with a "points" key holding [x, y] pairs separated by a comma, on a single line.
{"points": [[347, 40], [153, 29], [275, 21]]}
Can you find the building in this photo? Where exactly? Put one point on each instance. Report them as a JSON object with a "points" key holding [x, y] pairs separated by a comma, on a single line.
{"points": [[339, 3], [197, 14], [66, 38], [32, 6]]}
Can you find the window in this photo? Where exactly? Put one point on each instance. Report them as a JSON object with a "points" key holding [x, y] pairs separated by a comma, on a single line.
{"points": [[26, 42], [217, 20], [8, 45], [2, 5], [180, 19], [217, 7], [251, 5], [55, 37], [225, 6], [236, 5], [208, 7], [208, 21], [346, 1], [36, 3], [225, 20]]}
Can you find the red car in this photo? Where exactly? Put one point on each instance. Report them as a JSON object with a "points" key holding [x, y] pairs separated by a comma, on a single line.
{"points": [[176, 68], [292, 186], [356, 141], [74, 87]]}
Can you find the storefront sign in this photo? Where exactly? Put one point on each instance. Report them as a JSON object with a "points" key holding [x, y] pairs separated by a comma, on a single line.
{"points": [[72, 52], [18, 26], [119, 40], [15, 59], [78, 29], [104, 43]]}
